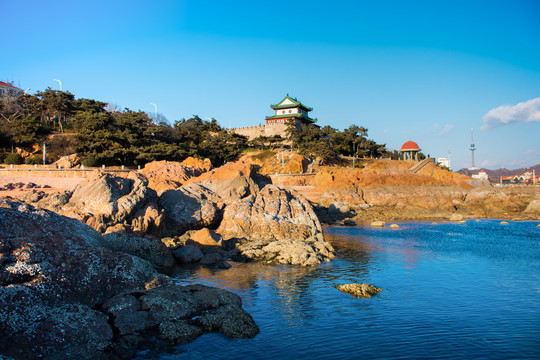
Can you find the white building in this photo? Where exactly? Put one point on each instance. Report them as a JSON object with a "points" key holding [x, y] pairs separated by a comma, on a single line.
{"points": [[444, 162], [482, 175]]}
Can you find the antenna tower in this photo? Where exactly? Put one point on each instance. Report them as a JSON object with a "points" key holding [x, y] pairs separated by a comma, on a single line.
{"points": [[472, 148]]}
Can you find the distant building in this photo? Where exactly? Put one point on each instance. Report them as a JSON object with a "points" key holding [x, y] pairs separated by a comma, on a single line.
{"points": [[444, 162], [482, 175], [525, 178], [286, 110], [7, 90], [410, 150]]}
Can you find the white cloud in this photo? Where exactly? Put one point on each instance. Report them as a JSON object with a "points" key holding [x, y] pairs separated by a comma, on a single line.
{"points": [[528, 111], [446, 129], [490, 164], [437, 130], [529, 151]]}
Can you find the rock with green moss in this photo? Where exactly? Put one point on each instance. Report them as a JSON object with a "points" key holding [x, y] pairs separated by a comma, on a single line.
{"points": [[359, 290]]}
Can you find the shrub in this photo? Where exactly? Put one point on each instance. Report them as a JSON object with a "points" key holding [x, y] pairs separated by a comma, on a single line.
{"points": [[14, 159], [36, 159], [90, 160]]}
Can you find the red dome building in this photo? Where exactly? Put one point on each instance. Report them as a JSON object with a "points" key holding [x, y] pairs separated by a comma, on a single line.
{"points": [[410, 150]]}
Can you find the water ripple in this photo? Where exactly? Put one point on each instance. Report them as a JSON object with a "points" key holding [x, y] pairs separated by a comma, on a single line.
{"points": [[451, 291]]}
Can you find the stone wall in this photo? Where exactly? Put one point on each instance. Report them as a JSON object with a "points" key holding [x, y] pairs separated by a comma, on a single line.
{"points": [[250, 131], [276, 129], [261, 130]]}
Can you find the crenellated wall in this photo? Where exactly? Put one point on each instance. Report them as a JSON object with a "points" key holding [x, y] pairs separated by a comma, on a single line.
{"points": [[250, 131], [262, 130]]}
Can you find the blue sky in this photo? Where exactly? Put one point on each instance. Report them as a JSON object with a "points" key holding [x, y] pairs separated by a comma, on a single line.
{"points": [[427, 71]]}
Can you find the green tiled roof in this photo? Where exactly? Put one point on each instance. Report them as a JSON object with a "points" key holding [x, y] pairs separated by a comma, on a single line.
{"points": [[295, 115], [295, 103]]}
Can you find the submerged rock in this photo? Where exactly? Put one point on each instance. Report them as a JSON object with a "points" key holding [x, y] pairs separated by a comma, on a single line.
{"points": [[359, 290]]}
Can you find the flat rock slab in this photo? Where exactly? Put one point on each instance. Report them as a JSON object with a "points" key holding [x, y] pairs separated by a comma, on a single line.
{"points": [[359, 290]]}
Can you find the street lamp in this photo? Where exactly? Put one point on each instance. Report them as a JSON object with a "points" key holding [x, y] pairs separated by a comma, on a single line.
{"points": [[155, 111], [59, 83]]}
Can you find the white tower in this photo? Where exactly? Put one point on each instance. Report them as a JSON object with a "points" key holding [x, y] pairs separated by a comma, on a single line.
{"points": [[473, 148]]}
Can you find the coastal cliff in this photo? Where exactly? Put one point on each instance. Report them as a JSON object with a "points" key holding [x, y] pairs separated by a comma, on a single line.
{"points": [[386, 190]]}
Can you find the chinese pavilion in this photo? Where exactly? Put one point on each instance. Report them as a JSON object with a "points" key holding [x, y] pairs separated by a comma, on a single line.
{"points": [[410, 150], [290, 109]]}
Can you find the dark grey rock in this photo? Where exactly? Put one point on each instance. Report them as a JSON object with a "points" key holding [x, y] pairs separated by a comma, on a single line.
{"points": [[188, 254]]}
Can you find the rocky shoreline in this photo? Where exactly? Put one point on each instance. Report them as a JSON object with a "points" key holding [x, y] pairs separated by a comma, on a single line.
{"points": [[79, 269], [82, 271], [430, 202]]}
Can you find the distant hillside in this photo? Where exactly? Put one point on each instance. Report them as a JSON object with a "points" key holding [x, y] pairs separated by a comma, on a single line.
{"points": [[496, 174]]}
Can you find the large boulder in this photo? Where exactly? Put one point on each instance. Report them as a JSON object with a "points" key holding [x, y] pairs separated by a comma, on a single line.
{"points": [[166, 175], [232, 181], [106, 200], [64, 295], [188, 254], [533, 207], [191, 207], [54, 271], [54, 201], [68, 161], [146, 247], [276, 225]]}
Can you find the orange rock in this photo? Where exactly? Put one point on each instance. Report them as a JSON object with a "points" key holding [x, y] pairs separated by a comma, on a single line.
{"points": [[165, 175], [232, 181], [206, 237]]}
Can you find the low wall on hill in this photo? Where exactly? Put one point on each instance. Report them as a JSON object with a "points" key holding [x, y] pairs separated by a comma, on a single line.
{"points": [[261, 130], [51, 171]]}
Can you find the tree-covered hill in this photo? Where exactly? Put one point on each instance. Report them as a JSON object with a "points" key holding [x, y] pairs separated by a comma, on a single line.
{"points": [[106, 135]]}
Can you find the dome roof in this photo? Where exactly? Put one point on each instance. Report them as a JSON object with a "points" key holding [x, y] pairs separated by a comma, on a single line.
{"points": [[410, 146]]}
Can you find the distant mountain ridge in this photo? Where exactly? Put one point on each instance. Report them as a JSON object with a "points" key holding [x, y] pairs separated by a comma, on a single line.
{"points": [[496, 174]]}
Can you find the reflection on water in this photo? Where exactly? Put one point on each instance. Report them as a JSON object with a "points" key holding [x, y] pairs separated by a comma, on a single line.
{"points": [[450, 291]]}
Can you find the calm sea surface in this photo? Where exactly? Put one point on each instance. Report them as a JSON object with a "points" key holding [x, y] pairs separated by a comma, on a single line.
{"points": [[451, 291]]}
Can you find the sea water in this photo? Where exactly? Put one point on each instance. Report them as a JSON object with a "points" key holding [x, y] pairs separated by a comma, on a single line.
{"points": [[450, 291]]}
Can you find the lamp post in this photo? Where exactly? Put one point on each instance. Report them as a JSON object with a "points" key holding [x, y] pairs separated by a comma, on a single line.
{"points": [[59, 82], [155, 111]]}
